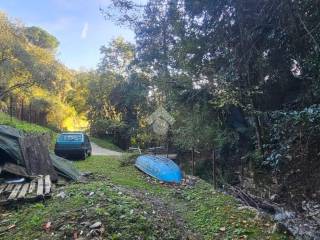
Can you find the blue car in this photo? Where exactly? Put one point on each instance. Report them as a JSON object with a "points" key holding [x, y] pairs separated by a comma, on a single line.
{"points": [[73, 144]]}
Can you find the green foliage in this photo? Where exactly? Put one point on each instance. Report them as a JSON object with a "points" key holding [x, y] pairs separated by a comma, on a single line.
{"points": [[21, 125], [128, 159], [290, 129], [116, 57], [30, 73], [115, 97], [196, 130], [105, 143], [41, 38], [108, 127]]}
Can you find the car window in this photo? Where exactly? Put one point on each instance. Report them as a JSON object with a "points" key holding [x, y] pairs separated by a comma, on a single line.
{"points": [[70, 137]]}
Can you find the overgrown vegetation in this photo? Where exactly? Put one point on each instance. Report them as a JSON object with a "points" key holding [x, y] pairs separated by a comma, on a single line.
{"points": [[34, 85], [132, 206], [21, 125], [241, 79], [225, 71], [105, 143]]}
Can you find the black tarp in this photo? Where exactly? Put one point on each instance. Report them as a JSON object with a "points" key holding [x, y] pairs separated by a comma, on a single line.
{"points": [[10, 151]]}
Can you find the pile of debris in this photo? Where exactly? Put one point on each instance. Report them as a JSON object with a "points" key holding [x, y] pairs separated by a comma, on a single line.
{"points": [[27, 167]]}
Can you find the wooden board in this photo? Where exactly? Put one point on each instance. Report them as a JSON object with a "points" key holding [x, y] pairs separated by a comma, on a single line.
{"points": [[32, 186], [38, 188], [24, 190], [15, 191], [47, 185], [36, 155], [9, 187], [2, 187]]}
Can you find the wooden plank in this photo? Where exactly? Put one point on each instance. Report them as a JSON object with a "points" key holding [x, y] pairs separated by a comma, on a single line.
{"points": [[32, 186], [15, 192], [9, 187], [36, 156], [24, 190], [2, 187], [47, 184], [40, 187]]}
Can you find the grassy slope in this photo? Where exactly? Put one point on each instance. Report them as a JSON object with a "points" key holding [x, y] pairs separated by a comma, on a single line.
{"points": [[125, 216], [26, 126], [105, 144], [21, 125], [34, 128]]}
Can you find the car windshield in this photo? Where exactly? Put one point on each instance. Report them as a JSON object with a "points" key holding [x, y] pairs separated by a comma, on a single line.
{"points": [[70, 137]]}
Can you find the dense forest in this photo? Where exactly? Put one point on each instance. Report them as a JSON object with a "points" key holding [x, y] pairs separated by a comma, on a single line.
{"points": [[241, 79]]}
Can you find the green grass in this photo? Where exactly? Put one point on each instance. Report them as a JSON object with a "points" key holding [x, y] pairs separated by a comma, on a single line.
{"points": [[111, 167], [121, 216], [105, 144], [27, 127], [204, 209], [22, 125], [124, 215]]}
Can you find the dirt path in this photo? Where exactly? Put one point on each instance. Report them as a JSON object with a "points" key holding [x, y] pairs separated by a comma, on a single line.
{"points": [[166, 215], [99, 151]]}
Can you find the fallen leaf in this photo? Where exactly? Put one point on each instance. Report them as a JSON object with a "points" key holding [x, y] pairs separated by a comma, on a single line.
{"points": [[75, 235], [11, 226], [222, 229], [47, 227], [96, 225]]}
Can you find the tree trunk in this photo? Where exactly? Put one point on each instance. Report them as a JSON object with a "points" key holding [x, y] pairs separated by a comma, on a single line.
{"points": [[214, 180], [258, 134], [30, 108], [192, 160], [22, 109]]}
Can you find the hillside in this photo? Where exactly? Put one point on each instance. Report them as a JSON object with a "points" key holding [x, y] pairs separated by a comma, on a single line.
{"points": [[22, 125], [125, 204], [130, 205]]}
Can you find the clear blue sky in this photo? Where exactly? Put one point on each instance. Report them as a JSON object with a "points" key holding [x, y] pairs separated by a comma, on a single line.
{"points": [[78, 25]]}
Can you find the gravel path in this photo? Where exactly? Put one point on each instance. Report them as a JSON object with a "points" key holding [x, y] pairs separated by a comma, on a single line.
{"points": [[97, 150]]}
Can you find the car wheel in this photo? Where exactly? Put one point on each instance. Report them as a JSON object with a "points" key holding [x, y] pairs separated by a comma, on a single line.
{"points": [[83, 155]]}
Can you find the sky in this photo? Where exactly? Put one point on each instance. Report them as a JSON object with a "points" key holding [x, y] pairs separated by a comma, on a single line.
{"points": [[77, 24]]}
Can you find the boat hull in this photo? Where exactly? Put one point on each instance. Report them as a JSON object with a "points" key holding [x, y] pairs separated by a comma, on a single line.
{"points": [[161, 168]]}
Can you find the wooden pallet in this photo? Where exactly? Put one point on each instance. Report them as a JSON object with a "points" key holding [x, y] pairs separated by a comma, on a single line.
{"points": [[38, 188]]}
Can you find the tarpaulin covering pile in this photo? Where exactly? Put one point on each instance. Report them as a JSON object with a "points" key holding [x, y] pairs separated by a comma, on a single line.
{"points": [[12, 151]]}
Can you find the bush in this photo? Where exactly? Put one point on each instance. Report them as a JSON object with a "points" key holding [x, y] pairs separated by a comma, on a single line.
{"points": [[128, 159]]}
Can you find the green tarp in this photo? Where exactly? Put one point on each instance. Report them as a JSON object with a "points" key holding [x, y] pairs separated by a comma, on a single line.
{"points": [[9, 145], [10, 151], [65, 168]]}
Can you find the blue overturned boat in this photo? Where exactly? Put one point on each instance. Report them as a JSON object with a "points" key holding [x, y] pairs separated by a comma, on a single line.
{"points": [[161, 168]]}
